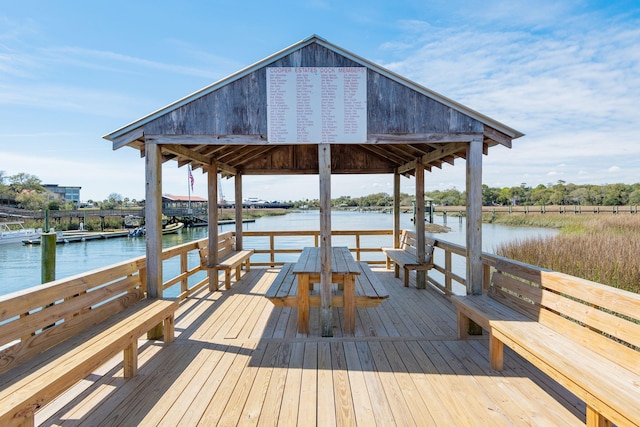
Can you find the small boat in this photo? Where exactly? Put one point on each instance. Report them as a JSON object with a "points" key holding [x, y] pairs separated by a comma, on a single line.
{"points": [[137, 232], [14, 232], [175, 227], [172, 228]]}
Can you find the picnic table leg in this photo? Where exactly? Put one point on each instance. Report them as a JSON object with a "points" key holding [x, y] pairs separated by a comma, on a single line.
{"points": [[303, 303], [349, 304]]}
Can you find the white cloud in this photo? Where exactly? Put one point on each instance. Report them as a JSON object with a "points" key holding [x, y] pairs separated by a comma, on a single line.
{"points": [[572, 88], [613, 169]]}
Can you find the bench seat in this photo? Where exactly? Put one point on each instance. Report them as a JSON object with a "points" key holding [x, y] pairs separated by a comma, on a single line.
{"points": [[369, 292], [235, 260], [405, 256], [582, 334], [29, 386]]}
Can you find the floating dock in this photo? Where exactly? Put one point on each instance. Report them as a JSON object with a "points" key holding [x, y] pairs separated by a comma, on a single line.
{"points": [[81, 236]]}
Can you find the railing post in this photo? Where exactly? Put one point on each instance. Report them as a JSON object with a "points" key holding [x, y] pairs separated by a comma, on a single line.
{"points": [[184, 266], [272, 249], [486, 278], [448, 265], [357, 246]]}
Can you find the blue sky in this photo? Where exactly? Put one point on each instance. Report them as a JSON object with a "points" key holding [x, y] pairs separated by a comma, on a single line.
{"points": [[565, 73]]}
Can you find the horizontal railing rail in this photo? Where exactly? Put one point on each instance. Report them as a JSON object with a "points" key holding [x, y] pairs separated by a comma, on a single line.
{"points": [[277, 244]]}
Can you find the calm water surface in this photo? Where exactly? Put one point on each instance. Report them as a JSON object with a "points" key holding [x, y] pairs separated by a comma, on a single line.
{"points": [[20, 265]]}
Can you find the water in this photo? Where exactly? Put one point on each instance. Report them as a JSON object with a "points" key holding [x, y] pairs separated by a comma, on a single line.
{"points": [[20, 265]]}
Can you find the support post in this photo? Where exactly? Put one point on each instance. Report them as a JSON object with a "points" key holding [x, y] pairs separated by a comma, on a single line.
{"points": [[212, 219], [474, 217], [474, 223], [238, 196], [153, 218], [326, 309], [396, 209], [48, 257], [420, 239]]}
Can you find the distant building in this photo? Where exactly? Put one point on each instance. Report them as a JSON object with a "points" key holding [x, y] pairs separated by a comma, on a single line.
{"points": [[179, 205], [66, 194]]}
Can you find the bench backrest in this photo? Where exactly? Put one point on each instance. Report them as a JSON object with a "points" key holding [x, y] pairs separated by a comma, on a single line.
{"points": [[602, 318], [409, 243], [38, 318], [226, 245]]}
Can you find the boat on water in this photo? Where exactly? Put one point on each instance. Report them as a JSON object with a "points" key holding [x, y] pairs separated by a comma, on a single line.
{"points": [[14, 232], [174, 227]]}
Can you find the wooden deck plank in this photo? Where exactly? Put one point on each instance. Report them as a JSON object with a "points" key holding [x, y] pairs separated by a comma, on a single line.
{"points": [[344, 408], [524, 400], [233, 380], [418, 407], [238, 360], [436, 405], [459, 401], [292, 389], [362, 406], [193, 408], [275, 390], [475, 399], [326, 400], [379, 402], [307, 407], [395, 394], [233, 410]]}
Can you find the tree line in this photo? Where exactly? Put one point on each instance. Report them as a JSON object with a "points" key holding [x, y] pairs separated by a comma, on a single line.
{"points": [[26, 191], [559, 193]]}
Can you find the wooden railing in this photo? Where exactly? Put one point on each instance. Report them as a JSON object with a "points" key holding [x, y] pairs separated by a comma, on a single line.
{"points": [[278, 245]]}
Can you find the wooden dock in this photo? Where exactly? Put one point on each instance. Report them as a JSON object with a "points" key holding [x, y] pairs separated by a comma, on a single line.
{"points": [[238, 360], [81, 236]]}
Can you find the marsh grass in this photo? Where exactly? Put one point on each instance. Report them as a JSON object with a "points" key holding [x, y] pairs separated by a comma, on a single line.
{"points": [[601, 248]]}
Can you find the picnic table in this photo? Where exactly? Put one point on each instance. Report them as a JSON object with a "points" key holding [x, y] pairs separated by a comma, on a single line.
{"points": [[344, 270]]}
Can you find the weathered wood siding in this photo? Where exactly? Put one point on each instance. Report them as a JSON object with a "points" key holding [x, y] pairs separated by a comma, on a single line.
{"points": [[240, 107]]}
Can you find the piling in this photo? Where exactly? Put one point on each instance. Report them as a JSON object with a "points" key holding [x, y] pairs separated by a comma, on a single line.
{"points": [[48, 257]]}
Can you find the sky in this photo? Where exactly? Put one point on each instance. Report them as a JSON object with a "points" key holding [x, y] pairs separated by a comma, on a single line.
{"points": [[566, 73]]}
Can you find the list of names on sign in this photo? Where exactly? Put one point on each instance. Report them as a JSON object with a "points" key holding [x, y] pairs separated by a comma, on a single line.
{"points": [[316, 104]]}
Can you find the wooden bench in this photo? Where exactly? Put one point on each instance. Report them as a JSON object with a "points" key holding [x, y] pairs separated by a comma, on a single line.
{"points": [[229, 258], [283, 292], [56, 334], [583, 334], [405, 255]]}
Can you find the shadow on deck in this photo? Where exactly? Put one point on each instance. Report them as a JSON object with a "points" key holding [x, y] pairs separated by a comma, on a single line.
{"points": [[238, 359]]}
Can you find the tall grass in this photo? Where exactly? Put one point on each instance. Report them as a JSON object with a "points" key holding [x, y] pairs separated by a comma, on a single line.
{"points": [[604, 249]]}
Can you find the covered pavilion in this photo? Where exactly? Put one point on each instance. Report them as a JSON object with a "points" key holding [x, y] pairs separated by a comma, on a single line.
{"points": [[246, 124]]}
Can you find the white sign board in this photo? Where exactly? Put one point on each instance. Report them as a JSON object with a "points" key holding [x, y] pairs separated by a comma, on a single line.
{"points": [[316, 104]]}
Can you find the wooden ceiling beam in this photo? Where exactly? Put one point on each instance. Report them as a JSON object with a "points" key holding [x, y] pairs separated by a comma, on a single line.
{"points": [[497, 136], [183, 151], [253, 154], [383, 153], [435, 157], [208, 139], [409, 138]]}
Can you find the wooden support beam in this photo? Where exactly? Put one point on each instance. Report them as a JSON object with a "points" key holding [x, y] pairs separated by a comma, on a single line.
{"points": [[420, 229], [474, 217], [183, 151], [153, 219], [212, 196], [208, 139], [238, 196], [326, 308], [396, 210], [497, 136], [433, 137], [127, 138]]}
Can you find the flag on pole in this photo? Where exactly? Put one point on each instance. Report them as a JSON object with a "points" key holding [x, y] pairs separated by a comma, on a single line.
{"points": [[191, 180]]}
